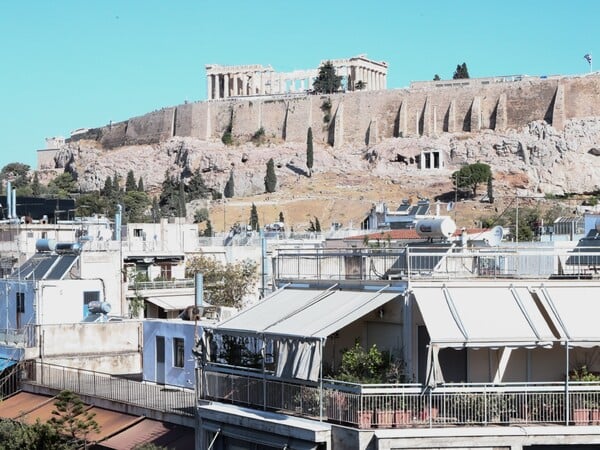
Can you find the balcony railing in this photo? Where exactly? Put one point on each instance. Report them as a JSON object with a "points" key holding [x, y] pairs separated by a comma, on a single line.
{"points": [[387, 406], [24, 337], [388, 263], [174, 284], [118, 389]]}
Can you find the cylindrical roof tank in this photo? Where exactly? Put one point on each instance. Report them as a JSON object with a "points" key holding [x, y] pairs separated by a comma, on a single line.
{"points": [[45, 245], [440, 227]]}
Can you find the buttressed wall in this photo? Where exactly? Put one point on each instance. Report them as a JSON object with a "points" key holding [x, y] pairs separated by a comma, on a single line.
{"points": [[363, 118]]}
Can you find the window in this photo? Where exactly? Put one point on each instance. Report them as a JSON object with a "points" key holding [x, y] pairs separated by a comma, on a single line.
{"points": [[178, 352], [89, 296], [20, 302], [165, 271]]}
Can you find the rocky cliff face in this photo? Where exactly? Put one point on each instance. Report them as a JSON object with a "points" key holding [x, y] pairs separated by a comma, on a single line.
{"points": [[536, 159]]}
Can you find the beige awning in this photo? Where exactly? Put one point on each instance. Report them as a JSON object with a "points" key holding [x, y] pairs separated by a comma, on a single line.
{"points": [[172, 302], [475, 314]]}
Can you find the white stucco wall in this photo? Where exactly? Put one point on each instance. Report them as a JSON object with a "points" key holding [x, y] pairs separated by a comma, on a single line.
{"points": [[169, 329]]}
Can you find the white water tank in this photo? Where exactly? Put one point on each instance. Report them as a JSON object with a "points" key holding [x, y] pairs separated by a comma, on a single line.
{"points": [[45, 245], [440, 227]]}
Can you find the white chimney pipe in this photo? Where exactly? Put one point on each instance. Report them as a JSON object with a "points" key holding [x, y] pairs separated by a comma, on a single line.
{"points": [[14, 203], [8, 200]]}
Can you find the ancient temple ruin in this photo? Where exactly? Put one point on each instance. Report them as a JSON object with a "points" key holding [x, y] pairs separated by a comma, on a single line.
{"points": [[357, 72]]}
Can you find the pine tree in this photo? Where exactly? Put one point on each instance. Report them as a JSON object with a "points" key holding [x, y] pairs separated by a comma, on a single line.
{"points": [[309, 151], [461, 72], [327, 82], [229, 190], [253, 222], [72, 418], [270, 178], [130, 185]]}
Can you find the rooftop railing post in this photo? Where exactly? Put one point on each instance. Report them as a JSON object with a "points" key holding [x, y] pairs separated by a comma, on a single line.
{"points": [[567, 397], [430, 408]]}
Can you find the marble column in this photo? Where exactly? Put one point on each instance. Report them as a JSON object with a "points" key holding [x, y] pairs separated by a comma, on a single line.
{"points": [[209, 85], [226, 85]]}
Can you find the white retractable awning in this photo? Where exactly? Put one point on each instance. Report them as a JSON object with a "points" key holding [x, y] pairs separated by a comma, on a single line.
{"points": [[482, 315], [307, 313], [574, 309], [172, 302]]}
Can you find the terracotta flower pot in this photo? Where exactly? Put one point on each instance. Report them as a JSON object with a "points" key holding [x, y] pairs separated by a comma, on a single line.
{"points": [[402, 418], [384, 418], [581, 416], [365, 418]]}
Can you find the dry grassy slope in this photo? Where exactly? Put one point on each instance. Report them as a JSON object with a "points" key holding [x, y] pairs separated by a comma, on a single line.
{"points": [[343, 198]]}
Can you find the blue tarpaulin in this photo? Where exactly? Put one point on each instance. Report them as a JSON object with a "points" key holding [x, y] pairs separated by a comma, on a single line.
{"points": [[6, 363]]}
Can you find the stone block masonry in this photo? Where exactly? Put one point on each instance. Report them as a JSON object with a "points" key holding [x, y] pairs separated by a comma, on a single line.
{"points": [[362, 118]]}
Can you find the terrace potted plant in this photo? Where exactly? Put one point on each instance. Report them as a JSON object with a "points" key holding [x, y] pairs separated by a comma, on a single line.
{"points": [[364, 367], [402, 412], [585, 405]]}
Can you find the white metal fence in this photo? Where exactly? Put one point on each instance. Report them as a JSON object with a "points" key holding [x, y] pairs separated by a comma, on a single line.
{"points": [[386, 406], [444, 263]]}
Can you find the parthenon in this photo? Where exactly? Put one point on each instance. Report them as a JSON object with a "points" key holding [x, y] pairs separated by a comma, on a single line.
{"points": [[357, 72]]}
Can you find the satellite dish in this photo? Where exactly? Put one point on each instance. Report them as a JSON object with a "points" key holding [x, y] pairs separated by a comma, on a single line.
{"points": [[495, 235], [450, 206]]}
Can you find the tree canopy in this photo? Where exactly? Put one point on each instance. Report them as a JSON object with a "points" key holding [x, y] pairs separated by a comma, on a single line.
{"points": [[461, 72], [327, 82], [471, 175], [224, 284], [270, 178], [309, 151]]}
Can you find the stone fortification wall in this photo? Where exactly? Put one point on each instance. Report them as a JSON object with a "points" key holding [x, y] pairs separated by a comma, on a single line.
{"points": [[364, 118]]}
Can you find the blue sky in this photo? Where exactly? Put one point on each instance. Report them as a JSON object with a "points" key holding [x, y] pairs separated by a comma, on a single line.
{"points": [[68, 64]]}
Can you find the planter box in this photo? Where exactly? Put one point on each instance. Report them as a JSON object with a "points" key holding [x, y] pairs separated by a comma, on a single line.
{"points": [[425, 414], [365, 419], [384, 418], [581, 416], [402, 418], [595, 416]]}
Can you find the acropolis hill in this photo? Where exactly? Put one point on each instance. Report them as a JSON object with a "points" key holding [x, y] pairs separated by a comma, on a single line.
{"points": [[539, 135]]}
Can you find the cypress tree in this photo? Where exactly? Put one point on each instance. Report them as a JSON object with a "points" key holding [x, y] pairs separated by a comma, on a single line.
{"points": [[270, 178], [130, 185], [229, 190], [281, 217], [140, 186], [181, 199], [36, 188], [309, 151], [208, 231], [490, 190], [253, 222]]}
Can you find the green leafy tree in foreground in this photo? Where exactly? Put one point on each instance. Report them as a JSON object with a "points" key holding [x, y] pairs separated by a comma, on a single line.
{"points": [[224, 284], [327, 82], [72, 418], [471, 175]]}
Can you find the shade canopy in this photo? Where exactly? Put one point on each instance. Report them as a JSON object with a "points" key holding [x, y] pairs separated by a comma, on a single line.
{"points": [[476, 315], [575, 310], [172, 302], [306, 313]]}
